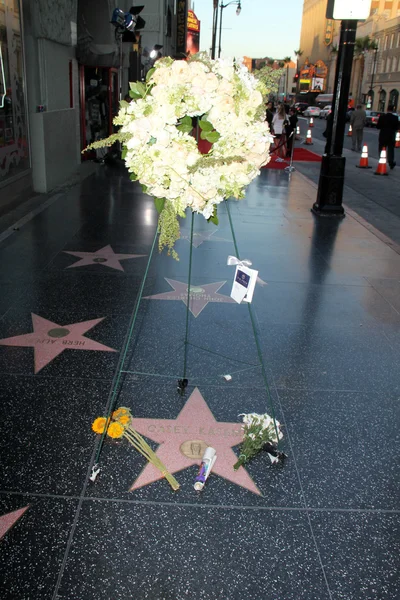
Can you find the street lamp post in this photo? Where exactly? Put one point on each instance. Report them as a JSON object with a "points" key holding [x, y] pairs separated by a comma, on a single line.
{"points": [[373, 74], [222, 6], [331, 180]]}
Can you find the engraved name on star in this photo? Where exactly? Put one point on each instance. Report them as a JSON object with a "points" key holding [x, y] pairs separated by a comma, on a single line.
{"points": [[50, 339], [200, 295], [184, 439], [105, 257]]}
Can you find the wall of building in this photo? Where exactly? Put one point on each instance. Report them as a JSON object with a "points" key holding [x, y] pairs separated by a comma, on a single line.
{"points": [[313, 38], [51, 68]]}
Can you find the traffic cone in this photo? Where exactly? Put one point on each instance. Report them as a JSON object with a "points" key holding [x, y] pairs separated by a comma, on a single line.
{"points": [[311, 123], [364, 158], [397, 145], [382, 169], [309, 138], [297, 132], [350, 131]]}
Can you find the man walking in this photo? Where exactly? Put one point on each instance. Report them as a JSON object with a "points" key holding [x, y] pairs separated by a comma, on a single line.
{"points": [[388, 124], [357, 121]]}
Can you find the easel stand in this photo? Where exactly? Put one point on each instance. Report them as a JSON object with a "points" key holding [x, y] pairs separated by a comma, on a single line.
{"points": [[291, 168]]}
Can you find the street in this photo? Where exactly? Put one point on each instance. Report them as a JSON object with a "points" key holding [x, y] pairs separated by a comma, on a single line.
{"points": [[375, 199], [370, 135]]}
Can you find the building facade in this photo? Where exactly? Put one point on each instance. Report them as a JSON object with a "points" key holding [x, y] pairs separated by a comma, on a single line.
{"points": [[378, 80], [375, 78], [318, 43], [62, 72]]}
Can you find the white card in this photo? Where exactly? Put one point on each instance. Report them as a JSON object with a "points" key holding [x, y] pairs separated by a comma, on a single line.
{"points": [[244, 284]]}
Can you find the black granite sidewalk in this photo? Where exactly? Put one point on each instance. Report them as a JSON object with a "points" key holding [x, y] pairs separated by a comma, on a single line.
{"points": [[325, 525]]}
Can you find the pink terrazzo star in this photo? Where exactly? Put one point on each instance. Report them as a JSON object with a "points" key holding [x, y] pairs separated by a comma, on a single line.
{"points": [[200, 296], [50, 339], [105, 256], [199, 238], [8, 520], [183, 441]]}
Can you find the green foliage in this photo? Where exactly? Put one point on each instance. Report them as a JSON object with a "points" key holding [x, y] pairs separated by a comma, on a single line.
{"points": [[159, 204], [270, 78], [185, 125], [210, 136], [205, 125], [214, 216], [137, 90], [150, 73], [123, 104], [124, 152], [168, 228]]}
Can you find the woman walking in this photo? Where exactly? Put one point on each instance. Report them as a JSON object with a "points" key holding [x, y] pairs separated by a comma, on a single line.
{"points": [[279, 121]]}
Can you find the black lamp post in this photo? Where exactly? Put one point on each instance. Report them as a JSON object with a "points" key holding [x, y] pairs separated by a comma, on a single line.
{"points": [[222, 6], [331, 179]]}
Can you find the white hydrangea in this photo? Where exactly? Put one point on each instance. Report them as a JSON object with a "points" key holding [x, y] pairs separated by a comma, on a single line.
{"points": [[167, 161]]}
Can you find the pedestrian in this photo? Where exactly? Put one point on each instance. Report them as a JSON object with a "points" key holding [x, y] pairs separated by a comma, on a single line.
{"points": [[278, 125], [388, 124], [291, 129], [269, 114], [357, 121]]}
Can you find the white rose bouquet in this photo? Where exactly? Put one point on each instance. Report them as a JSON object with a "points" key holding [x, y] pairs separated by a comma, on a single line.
{"points": [[219, 102], [260, 432]]}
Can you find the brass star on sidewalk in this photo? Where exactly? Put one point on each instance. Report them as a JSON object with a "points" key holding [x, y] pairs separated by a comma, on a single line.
{"points": [[200, 295], [184, 439], [105, 256], [50, 339]]}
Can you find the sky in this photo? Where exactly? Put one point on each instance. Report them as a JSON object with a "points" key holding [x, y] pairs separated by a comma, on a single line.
{"points": [[263, 28]]}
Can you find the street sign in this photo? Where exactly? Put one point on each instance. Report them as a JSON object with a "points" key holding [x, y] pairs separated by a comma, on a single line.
{"points": [[357, 10]]}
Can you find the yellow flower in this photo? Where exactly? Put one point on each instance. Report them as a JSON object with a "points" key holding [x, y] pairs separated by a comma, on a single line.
{"points": [[115, 430], [124, 420], [120, 412], [99, 424]]}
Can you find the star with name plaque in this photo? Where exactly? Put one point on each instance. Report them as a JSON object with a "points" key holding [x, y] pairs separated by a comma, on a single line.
{"points": [[182, 442]]}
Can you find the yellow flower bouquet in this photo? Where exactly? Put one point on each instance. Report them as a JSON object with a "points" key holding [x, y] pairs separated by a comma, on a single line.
{"points": [[120, 426]]}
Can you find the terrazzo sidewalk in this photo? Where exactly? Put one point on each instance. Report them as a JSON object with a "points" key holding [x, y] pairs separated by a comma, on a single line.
{"points": [[322, 526]]}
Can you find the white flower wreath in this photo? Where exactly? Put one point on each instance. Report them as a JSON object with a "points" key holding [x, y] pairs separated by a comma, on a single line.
{"points": [[158, 132]]}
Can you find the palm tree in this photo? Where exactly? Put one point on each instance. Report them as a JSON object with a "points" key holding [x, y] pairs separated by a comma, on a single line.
{"points": [[287, 60], [270, 62], [362, 47]]}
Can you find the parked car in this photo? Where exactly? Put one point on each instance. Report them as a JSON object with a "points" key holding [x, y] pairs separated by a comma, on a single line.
{"points": [[371, 118], [325, 111], [300, 107], [312, 111]]}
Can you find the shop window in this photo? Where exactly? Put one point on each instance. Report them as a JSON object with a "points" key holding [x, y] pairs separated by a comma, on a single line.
{"points": [[382, 101], [394, 99], [14, 150]]}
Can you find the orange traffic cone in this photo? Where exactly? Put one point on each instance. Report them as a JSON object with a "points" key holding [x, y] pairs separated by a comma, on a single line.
{"points": [[311, 123], [397, 144], [364, 158], [309, 138], [382, 169], [297, 133], [350, 131]]}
